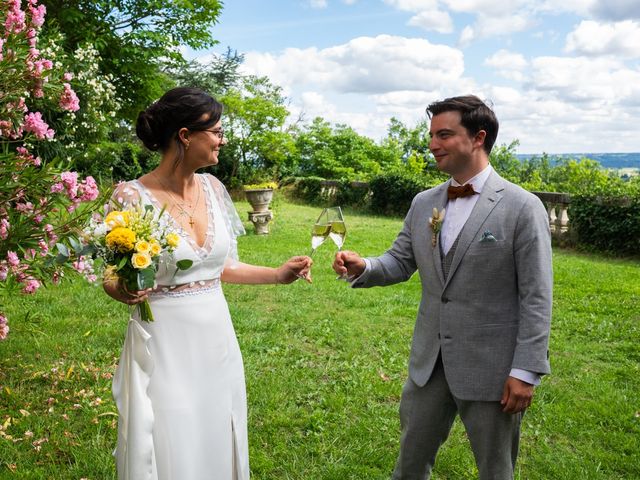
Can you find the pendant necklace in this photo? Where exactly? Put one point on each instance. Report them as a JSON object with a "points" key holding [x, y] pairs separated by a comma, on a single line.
{"points": [[183, 211]]}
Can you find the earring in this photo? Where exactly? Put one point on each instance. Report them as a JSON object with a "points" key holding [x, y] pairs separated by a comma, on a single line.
{"points": [[187, 146]]}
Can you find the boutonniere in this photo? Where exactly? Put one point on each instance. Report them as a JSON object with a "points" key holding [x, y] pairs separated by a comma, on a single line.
{"points": [[435, 222]]}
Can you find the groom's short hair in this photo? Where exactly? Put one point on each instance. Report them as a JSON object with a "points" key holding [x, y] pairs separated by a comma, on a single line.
{"points": [[475, 116]]}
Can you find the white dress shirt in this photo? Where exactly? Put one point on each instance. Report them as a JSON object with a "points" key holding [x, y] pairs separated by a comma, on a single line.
{"points": [[457, 213]]}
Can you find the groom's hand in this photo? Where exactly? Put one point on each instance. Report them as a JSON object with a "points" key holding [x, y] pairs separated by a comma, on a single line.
{"points": [[348, 263], [516, 395]]}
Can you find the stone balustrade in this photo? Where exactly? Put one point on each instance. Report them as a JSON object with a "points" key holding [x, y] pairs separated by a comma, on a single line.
{"points": [[557, 205]]}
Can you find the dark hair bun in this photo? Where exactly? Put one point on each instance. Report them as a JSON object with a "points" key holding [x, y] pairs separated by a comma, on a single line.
{"points": [[181, 107], [145, 130]]}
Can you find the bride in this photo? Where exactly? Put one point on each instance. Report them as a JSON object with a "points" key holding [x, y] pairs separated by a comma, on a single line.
{"points": [[179, 386]]}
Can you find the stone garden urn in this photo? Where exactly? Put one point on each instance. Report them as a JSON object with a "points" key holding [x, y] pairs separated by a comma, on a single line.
{"points": [[260, 199]]}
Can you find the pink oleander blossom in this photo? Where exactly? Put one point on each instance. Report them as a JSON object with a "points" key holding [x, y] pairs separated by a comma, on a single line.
{"points": [[24, 207], [27, 158], [4, 327], [19, 106], [88, 190], [37, 15], [39, 66], [32, 37], [4, 228], [70, 182], [57, 187], [67, 76], [44, 247], [15, 21], [31, 285], [4, 271], [13, 259], [34, 123], [69, 100]]}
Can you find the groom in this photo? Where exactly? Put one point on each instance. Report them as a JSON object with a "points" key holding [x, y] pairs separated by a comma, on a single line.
{"points": [[480, 342]]}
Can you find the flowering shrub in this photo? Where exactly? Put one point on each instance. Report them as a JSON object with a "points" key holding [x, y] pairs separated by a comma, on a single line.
{"points": [[40, 206], [83, 83]]}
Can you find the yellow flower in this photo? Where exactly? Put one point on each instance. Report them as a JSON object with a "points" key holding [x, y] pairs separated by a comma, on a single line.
{"points": [[173, 239], [142, 246], [155, 248], [121, 238], [117, 219], [141, 260]]}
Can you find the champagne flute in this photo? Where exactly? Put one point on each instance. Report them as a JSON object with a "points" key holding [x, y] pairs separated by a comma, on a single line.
{"points": [[338, 232], [320, 231]]}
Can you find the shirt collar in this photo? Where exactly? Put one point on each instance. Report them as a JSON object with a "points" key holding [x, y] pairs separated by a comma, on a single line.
{"points": [[478, 181]]}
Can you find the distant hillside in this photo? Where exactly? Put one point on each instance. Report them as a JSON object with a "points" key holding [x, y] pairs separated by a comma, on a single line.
{"points": [[607, 160]]}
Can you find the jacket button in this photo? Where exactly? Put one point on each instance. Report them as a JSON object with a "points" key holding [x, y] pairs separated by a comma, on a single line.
{"points": [[445, 300]]}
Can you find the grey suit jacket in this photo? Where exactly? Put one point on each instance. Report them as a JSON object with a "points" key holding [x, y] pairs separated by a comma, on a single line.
{"points": [[493, 312]]}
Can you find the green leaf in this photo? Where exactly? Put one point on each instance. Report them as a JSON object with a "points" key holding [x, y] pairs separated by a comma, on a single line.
{"points": [[122, 263], [146, 278], [76, 245], [184, 264], [63, 249]]}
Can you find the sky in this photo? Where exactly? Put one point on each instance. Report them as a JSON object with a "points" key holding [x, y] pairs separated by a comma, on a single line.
{"points": [[561, 76]]}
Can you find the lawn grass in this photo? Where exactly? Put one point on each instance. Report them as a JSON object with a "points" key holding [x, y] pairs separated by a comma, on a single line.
{"points": [[325, 366]]}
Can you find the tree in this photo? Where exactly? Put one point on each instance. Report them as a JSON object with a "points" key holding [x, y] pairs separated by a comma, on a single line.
{"points": [[341, 153], [216, 77], [258, 145], [135, 39]]}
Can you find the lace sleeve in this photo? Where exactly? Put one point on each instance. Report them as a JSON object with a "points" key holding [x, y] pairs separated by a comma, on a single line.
{"points": [[231, 219], [124, 195]]}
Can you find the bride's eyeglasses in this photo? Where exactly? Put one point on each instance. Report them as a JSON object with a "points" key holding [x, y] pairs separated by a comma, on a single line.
{"points": [[218, 132]]}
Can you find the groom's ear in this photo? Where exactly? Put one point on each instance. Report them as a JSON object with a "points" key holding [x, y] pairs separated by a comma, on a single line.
{"points": [[478, 138]]}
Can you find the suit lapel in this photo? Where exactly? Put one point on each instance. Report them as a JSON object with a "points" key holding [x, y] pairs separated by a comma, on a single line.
{"points": [[488, 200], [440, 202]]}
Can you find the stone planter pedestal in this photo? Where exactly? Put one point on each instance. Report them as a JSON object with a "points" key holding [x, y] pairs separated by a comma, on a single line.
{"points": [[261, 215], [261, 221], [260, 199]]}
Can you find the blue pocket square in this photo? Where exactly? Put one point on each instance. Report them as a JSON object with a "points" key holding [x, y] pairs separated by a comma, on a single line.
{"points": [[487, 236]]}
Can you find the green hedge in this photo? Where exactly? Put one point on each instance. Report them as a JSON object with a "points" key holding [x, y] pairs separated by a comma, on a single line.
{"points": [[116, 161], [607, 223], [392, 193]]}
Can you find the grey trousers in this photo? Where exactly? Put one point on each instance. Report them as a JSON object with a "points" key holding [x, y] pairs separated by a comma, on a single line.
{"points": [[426, 416]]}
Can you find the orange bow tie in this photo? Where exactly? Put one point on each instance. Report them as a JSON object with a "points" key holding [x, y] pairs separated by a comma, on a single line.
{"points": [[463, 191]]}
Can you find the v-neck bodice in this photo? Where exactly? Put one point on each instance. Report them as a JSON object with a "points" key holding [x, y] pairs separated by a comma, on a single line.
{"points": [[204, 249], [208, 259]]}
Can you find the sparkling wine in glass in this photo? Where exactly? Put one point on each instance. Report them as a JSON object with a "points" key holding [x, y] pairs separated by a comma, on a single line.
{"points": [[338, 231], [320, 231]]}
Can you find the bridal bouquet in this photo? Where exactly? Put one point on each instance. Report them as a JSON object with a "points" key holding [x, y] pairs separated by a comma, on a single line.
{"points": [[130, 242]]}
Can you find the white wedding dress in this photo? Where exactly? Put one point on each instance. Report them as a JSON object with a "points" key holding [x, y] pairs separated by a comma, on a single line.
{"points": [[179, 386]]}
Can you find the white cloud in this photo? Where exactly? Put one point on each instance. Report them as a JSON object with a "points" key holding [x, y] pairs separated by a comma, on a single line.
{"points": [[504, 59], [615, 9], [435, 20], [489, 26], [490, 8], [508, 64], [363, 65], [593, 38], [427, 14], [413, 5], [588, 82], [349, 2], [318, 3]]}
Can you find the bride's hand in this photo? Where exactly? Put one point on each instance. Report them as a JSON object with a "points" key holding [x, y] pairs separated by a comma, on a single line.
{"points": [[119, 292], [293, 269]]}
